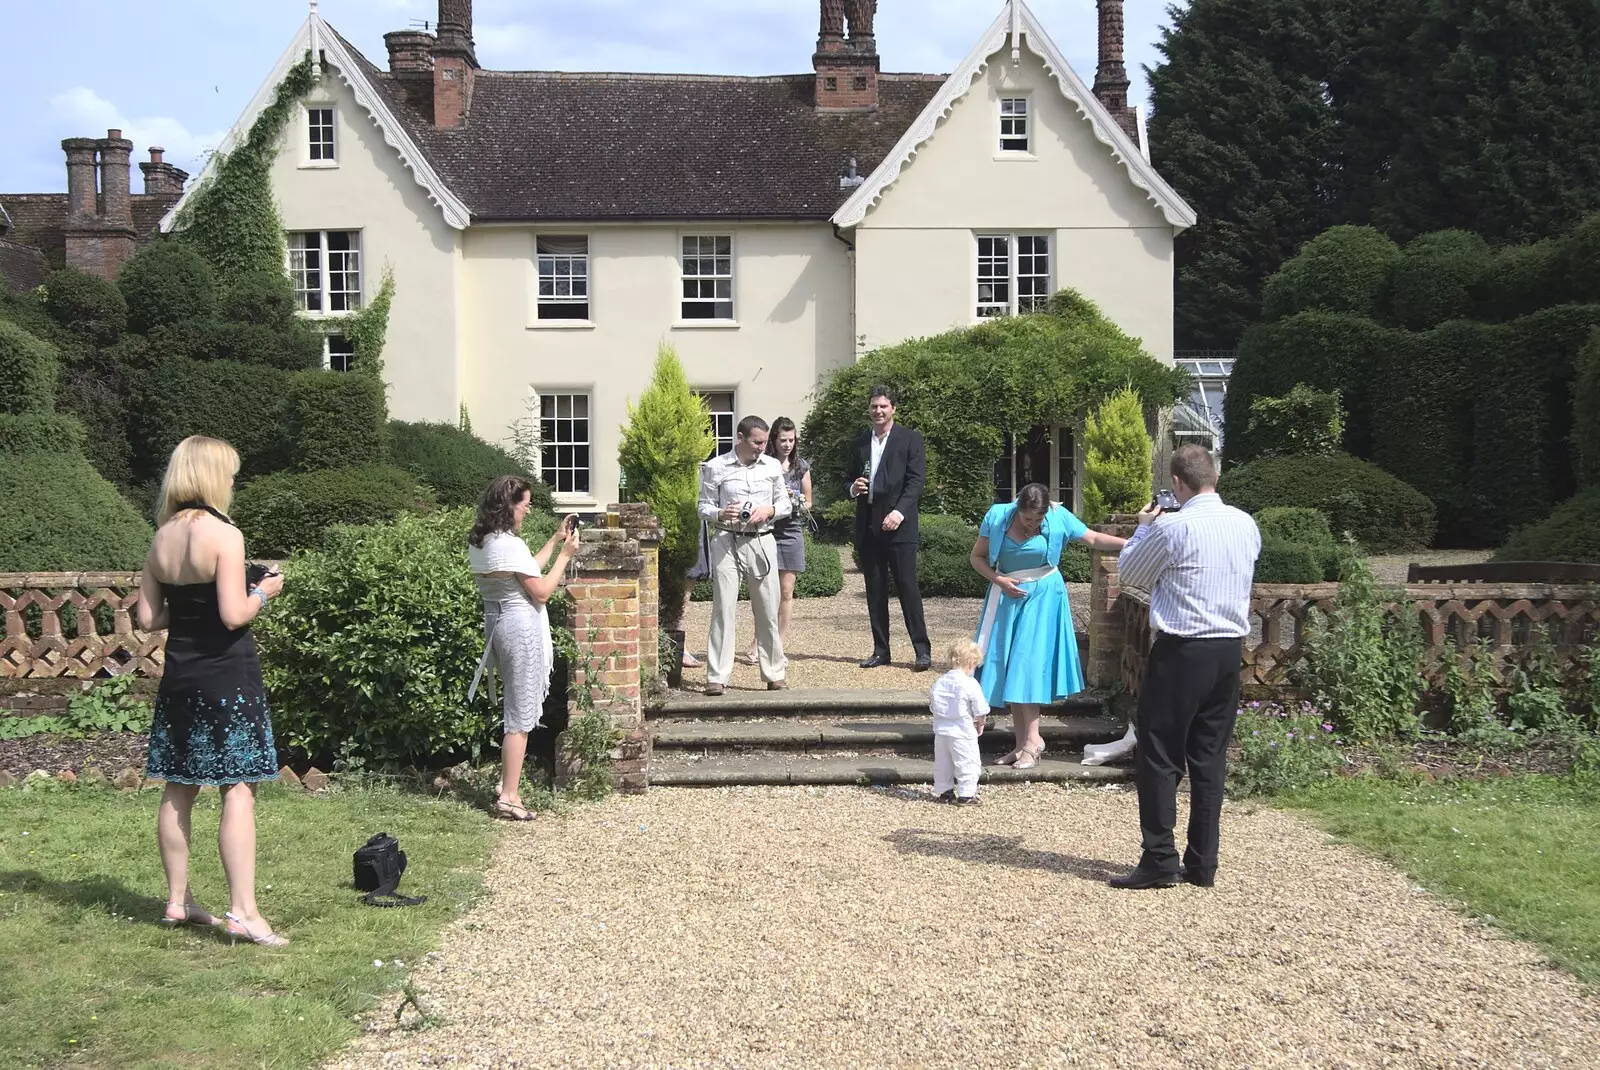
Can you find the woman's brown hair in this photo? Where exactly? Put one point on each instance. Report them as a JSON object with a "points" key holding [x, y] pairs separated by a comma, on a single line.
{"points": [[1034, 498], [779, 426], [495, 507]]}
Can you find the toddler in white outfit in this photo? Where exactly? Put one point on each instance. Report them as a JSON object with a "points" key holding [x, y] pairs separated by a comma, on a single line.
{"points": [[959, 709]]}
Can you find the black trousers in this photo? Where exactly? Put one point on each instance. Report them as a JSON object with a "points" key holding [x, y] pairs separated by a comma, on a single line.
{"points": [[1187, 705], [881, 559]]}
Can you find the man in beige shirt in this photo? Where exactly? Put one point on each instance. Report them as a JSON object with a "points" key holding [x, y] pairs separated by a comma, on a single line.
{"points": [[741, 493]]}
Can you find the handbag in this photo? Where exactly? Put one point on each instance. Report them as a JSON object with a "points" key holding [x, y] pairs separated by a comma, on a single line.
{"points": [[379, 865], [702, 565]]}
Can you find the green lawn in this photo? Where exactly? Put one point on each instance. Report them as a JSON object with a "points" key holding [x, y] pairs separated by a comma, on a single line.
{"points": [[89, 977], [1522, 851]]}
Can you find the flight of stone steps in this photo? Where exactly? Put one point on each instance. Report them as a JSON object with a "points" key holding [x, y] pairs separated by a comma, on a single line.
{"points": [[821, 736]]}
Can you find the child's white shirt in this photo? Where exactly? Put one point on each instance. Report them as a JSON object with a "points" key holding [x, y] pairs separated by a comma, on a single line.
{"points": [[955, 700]]}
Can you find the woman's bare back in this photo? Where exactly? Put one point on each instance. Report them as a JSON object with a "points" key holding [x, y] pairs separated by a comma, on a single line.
{"points": [[186, 549]]}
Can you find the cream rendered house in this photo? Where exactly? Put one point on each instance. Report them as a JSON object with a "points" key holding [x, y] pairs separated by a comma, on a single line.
{"points": [[547, 231]]}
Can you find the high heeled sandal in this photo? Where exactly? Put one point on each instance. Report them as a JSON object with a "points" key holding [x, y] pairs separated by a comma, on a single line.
{"points": [[238, 930], [1008, 759], [1028, 758], [190, 912]]}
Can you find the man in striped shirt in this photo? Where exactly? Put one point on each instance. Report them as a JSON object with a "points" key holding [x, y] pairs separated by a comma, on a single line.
{"points": [[1197, 563]]}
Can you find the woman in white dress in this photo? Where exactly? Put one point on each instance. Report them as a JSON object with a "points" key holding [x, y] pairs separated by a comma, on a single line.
{"points": [[516, 625]]}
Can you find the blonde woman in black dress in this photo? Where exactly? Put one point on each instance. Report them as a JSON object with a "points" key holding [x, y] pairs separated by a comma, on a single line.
{"points": [[211, 721]]}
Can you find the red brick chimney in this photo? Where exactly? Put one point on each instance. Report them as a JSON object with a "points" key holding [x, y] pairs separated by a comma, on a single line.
{"points": [[1111, 77], [455, 64], [847, 66], [410, 51], [99, 232], [162, 179]]}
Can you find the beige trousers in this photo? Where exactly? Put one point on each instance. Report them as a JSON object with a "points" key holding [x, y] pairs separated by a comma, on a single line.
{"points": [[753, 558]]}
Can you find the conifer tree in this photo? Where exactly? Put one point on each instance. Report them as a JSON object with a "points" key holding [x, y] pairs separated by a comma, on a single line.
{"points": [[1118, 458]]}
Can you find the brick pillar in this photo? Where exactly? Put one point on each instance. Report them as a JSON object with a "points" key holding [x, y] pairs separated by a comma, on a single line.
{"points": [[1105, 616], [604, 586], [642, 526]]}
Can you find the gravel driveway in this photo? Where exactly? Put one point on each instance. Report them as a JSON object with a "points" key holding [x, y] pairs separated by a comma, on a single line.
{"points": [[844, 927]]}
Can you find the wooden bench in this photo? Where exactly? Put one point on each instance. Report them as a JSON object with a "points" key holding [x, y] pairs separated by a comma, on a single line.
{"points": [[1506, 572]]}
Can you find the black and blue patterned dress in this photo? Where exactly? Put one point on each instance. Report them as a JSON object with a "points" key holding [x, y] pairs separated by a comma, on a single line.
{"points": [[211, 721]]}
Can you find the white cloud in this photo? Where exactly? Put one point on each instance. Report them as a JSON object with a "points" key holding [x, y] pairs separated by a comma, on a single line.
{"points": [[81, 112]]}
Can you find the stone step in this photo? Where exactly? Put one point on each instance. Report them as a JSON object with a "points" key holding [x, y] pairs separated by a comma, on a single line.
{"points": [[823, 702], [910, 730], [684, 769]]}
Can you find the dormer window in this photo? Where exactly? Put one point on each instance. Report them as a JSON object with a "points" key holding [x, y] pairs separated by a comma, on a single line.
{"points": [[319, 136], [1014, 124]]}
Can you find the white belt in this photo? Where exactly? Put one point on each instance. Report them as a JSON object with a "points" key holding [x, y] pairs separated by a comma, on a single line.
{"points": [[991, 601]]}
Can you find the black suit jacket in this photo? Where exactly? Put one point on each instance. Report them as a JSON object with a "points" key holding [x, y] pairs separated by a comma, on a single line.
{"points": [[901, 472]]}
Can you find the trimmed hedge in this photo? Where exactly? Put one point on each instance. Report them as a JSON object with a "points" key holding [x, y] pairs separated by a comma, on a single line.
{"points": [[1570, 533], [86, 305], [1343, 269], [1524, 278], [1296, 524], [292, 346], [1440, 276], [457, 464], [1383, 513], [293, 510], [242, 404], [60, 515], [944, 558], [823, 577], [337, 420], [1282, 561], [166, 282], [28, 370], [99, 398], [40, 433], [1586, 413], [261, 297]]}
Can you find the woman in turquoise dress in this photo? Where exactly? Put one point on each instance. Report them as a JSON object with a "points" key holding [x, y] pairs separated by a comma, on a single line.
{"points": [[1030, 648]]}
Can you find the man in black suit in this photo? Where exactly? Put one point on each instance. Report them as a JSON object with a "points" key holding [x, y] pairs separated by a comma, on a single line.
{"points": [[887, 467]]}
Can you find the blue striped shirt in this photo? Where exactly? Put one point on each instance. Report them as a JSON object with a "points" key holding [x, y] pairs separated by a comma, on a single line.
{"points": [[1197, 565]]}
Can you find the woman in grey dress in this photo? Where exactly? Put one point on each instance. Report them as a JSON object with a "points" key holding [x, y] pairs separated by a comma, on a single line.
{"points": [[516, 626], [789, 533]]}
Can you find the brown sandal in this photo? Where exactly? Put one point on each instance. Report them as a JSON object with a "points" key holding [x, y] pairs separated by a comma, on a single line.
{"points": [[507, 811]]}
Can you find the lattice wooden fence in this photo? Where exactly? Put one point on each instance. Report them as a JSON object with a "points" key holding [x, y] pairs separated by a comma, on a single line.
{"points": [[1506, 617], [74, 625]]}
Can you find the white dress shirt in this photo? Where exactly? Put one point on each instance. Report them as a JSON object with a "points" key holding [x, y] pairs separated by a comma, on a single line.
{"points": [[1197, 565], [725, 480], [956, 700], [878, 443]]}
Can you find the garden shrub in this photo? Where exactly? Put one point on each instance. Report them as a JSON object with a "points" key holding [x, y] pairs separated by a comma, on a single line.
{"points": [[455, 463], [1117, 458], [1076, 563], [1586, 413], [1580, 260], [242, 404], [944, 558], [1282, 561], [1439, 276], [265, 298], [965, 388], [1381, 512], [60, 515], [86, 305], [166, 282], [290, 511], [40, 433], [28, 371], [1295, 524], [337, 420], [1322, 350], [98, 398], [1525, 278], [372, 645], [667, 435], [823, 577], [294, 346], [1308, 529], [1283, 747], [1302, 421], [1570, 533], [1363, 663], [1343, 269]]}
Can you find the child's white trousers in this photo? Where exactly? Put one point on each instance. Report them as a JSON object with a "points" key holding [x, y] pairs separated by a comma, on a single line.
{"points": [[956, 764]]}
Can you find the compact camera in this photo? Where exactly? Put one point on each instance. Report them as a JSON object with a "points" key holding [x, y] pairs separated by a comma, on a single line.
{"points": [[574, 522], [744, 513], [1167, 502]]}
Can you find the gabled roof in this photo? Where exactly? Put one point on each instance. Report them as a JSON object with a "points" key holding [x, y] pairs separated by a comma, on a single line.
{"points": [[22, 267], [1018, 23], [315, 34]]}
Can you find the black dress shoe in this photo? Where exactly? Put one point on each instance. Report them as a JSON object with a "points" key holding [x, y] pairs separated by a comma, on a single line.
{"points": [[875, 661], [1139, 879], [1196, 877], [922, 664]]}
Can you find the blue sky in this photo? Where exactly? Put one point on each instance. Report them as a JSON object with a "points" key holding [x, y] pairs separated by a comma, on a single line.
{"points": [[177, 73]]}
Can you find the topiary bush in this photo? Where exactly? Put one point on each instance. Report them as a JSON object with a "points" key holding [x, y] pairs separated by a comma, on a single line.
{"points": [[293, 346], [1586, 413], [823, 577], [1302, 421], [1570, 533], [60, 515], [291, 511], [1524, 278], [963, 389], [86, 305], [1282, 561], [1381, 512], [457, 464], [337, 420], [28, 371], [1294, 524], [40, 433], [1343, 269], [166, 282], [1117, 458], [1440, 276], [372, 645], [239, 403], [265, 298], [98, 398]]}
